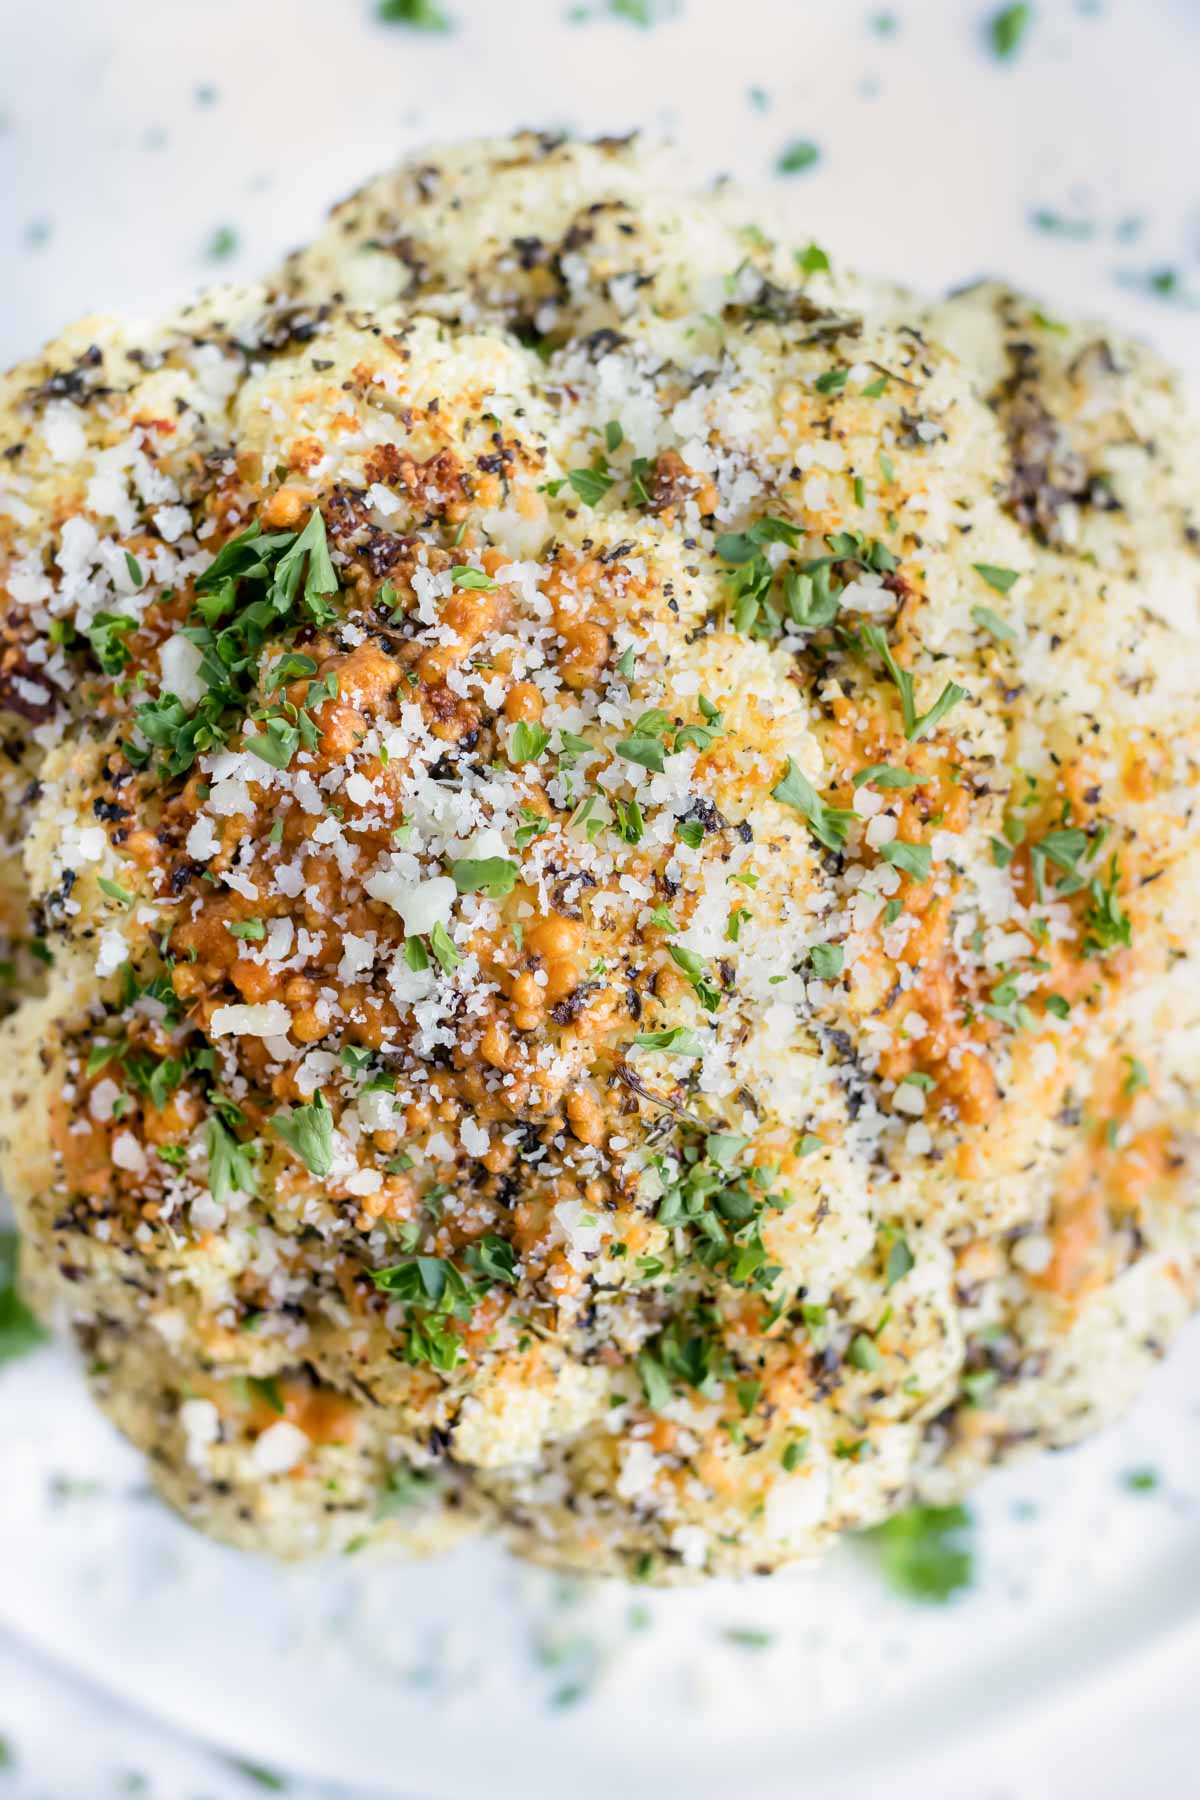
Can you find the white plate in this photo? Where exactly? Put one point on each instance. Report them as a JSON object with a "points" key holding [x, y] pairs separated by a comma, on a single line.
{"points": [[441, 1678], [132, 131]]}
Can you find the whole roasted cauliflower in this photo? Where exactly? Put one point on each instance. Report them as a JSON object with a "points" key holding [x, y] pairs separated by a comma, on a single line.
{"points": [[603, 851]]}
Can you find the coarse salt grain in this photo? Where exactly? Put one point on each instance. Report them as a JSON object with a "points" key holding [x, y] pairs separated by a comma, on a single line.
{"points": [[279, 1448]]}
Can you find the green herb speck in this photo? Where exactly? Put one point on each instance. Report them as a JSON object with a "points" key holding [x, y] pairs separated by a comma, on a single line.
{"points": [[797, 156]]}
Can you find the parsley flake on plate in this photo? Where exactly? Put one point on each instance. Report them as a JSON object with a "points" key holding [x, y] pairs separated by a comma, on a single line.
{"points": [[924, 1553], [19, 1330]]}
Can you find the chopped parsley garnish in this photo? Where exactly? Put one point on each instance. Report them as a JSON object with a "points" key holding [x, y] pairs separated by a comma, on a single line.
{"points": [[811, 597], [743, 546], [19, 1330], [571, 744], [715, 1207], [863, 1353], [444, 948], [915, 724], [724, 1147], [999, 580], [308, 1130], [748, 1637], [1007, 1008], [261, 1777], [852, 546], [679, 1041], [886, 775], [494, 876], [434, 1292], [292, 666], [827, 960], [591, 485], [922, 1552], [276, 744], [222, 244], [1058, 224], [1108, 926], [656, 1384], [1007, 28], [915, 859], [629, 826], [812, 260], [494, 1257], [987, 620], [797, 156], [977, 1384], [829, 824], [749, 1394], [265, 1388], [230, 1163], [464, 576], [1064, 849], [533, 825], [693, 967], [308, 555], [249, 592], [1136, 1076], [898, 1258], [416, 956], [1164, 283], [684, 1353], [106, 634], [641, 472], [645, 14], [700, 737], [644, 745], [528, 742], [405, 1487], [419, 15]]}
